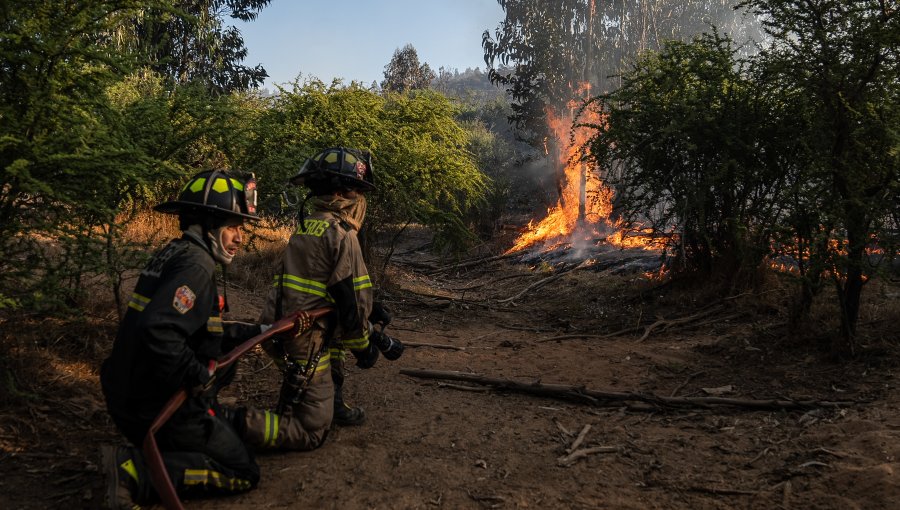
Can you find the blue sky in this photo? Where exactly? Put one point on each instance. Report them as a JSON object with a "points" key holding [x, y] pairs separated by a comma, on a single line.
{"points": [[355, 39]]}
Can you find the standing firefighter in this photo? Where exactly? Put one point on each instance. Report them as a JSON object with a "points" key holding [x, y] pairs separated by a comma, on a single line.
{"points": [[169, 339], [323, 266]]}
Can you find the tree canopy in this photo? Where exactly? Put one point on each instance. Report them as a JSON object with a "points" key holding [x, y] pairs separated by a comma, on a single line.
{"points": [[404, 72]]}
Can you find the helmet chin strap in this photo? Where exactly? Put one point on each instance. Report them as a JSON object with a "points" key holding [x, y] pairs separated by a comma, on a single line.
{"points": [[212, 239], [216, 247]]}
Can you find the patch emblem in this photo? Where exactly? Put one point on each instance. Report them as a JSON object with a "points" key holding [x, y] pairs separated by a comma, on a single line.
{"points": [[184, 299], [360, 170]]}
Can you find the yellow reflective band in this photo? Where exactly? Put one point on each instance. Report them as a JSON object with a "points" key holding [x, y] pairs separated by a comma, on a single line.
{"points": [[131, 469], [214, 325], [273, 435], [215, 479], [303, 285], [138, 302], [324, 363], [356, 343], [363, 282], [196, 185]]}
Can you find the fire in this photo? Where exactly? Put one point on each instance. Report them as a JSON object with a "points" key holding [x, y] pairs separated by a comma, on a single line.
{"points": [[585, 204]]}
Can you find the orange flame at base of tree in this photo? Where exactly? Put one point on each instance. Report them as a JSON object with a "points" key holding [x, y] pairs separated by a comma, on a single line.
{"points": [[567, 222]]}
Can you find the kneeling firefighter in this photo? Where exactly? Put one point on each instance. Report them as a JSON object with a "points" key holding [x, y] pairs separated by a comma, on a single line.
{"points": [[169, 339], [323, 266]]}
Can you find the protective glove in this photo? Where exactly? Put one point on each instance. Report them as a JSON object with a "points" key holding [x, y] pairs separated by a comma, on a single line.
{"points": [[200, 389], [391, 347], [380, 314], [366, 358]]}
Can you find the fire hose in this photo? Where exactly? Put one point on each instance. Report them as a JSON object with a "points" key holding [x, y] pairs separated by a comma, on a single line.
{"points": [[155, 464]]}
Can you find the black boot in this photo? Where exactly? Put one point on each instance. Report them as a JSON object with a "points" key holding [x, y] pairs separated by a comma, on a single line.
{"points": [[121, 485], [344, 415]]}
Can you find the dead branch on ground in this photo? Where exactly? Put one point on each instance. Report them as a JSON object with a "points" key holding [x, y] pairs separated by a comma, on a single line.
{"points": [[566, 460], [598, 397]]}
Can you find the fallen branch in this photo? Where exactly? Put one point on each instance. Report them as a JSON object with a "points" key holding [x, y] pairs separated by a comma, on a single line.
{"points": [[579, 439], [686, 381], [477, 389], [667, 323], [598, 397], [584, 452]]}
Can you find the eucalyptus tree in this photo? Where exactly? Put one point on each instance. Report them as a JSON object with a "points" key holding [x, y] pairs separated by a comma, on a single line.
{"points": [[405, 73], [543, 53]]}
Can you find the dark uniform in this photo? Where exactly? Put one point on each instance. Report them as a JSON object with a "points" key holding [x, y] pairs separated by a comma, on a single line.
{"points": [[171, 331], [169, 339]]}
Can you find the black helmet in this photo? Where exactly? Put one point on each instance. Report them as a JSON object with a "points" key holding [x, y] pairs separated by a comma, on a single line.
{"points": [[335, 168], [215, 193]]}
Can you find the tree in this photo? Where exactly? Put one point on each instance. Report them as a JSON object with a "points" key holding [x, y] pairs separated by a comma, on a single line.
{"points": [[404, 72], [842, 60], [697, 147], [188, 41], [63, 157], [423, 170], [543, 52]]}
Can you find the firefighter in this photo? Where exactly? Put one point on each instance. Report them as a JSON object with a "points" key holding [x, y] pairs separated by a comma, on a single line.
{"points": [[170, 337], [323, 266]]}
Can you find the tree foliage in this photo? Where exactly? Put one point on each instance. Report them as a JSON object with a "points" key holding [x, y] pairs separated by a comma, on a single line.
{"points": [[423, 169], [87, 132], [696, 147], [841, 62], [189, 41], [790, 153], [542, 52], [404, 72]]}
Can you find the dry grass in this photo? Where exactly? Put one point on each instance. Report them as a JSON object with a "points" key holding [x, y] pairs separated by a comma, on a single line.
{"points": [[260, 259]]}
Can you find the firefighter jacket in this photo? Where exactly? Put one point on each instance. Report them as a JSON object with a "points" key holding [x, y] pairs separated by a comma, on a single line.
{"points": [[323, 266], [172, 329]]}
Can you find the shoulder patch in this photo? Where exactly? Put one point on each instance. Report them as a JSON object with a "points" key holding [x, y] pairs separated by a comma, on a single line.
{"points": [[184, 299]]}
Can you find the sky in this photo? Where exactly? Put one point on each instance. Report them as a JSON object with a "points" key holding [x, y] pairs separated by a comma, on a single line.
{"points": [[355, 39]]}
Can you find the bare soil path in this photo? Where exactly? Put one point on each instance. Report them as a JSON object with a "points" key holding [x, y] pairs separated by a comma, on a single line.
{"points": [[431, 444]]}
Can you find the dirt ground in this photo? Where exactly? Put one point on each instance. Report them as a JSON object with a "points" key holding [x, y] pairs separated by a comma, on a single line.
{"points": [[433, 444]]}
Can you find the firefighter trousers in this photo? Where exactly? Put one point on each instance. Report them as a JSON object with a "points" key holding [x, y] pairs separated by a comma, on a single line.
{"points": [[304, 428], [202, 451]]}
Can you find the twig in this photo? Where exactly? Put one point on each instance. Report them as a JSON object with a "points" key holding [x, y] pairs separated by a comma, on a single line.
{"points": [[545, 281], [436, 346], [267, 365], [667, 323], [475, 262], [563, 429], [579, 439], [494, 280], [686, 381], [584, 452], [754, 459]]}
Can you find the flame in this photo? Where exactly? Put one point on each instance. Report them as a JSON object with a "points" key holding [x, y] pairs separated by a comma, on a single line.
{"points": [[564, 222]]}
